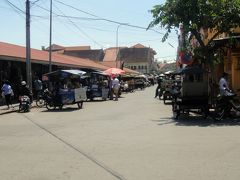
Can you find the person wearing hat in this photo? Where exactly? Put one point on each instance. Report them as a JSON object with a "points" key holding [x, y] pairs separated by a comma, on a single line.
{"points": [[25, 91], [223, 84]]}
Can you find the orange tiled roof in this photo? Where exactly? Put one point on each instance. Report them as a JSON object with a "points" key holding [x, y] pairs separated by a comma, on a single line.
{"points": [[55, 47], [138, 46], [37, 56]]}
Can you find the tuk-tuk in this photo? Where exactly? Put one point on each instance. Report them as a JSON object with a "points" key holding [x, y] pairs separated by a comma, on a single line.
{"points": [[140, 82], [98, 85], [65, 88], [166, 86], [191, 93]]}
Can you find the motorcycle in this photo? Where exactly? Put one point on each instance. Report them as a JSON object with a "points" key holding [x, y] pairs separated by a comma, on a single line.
{"points": [[41, 98], [224, 104], [25, 104]]}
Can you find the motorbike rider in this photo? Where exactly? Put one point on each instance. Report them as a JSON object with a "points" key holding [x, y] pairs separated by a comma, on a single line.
{"points": [[223, 85], [25, 91]]}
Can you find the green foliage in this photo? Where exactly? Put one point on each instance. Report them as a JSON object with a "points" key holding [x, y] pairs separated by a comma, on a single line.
{"points": [[220, 15]]}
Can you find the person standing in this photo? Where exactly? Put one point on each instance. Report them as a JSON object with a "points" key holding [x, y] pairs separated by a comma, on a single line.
{"points": [[38, 86], [7, 93], [115, 86]]}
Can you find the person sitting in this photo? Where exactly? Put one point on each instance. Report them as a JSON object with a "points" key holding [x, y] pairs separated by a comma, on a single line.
{"points": [[223, 84], [25, 91]]}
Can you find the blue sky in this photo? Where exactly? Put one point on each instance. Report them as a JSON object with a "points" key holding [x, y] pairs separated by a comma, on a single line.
{"points": [[82, 31]]}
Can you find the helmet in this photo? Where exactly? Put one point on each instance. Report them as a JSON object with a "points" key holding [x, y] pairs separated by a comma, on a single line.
{"points": [[23, 83]]}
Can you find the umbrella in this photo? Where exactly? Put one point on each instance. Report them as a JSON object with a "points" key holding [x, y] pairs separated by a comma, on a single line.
{"points": [[114, 71]]}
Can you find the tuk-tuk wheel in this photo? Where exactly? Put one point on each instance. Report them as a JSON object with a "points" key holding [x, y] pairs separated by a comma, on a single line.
{"points": [[80, 105], [50, 106], [60, 107]]}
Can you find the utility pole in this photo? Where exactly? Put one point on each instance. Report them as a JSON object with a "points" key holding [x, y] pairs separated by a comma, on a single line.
{"points": [[50, 39], [28, 47]]}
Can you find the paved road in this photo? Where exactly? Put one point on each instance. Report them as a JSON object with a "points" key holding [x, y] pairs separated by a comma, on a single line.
{"points": [[132, 139]]}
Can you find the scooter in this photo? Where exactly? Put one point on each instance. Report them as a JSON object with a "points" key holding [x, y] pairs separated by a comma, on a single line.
{"points": [[25, 104]]}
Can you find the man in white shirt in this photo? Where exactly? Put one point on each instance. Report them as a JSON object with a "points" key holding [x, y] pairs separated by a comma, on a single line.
{"points": [[115, 86], [223, 84]]}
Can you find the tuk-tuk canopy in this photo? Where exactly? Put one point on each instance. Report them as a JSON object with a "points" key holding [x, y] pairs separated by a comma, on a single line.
{"points": [[61, 74]]}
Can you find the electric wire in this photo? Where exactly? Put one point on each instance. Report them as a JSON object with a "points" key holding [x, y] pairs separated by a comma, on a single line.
{"points": [[16, 9], [108, 20], [76, 26]]}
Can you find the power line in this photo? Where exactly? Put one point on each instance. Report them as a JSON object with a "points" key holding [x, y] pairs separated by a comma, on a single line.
{"points": [[75, 25], [108, 20], [16, 9]]}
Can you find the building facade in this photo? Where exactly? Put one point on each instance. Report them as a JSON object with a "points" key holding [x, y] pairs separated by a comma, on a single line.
{"points": [[138, 58]]}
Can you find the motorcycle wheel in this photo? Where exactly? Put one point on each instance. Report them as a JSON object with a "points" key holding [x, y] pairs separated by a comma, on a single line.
{"points": [[40, 102], [50, 106], [219, 113]]}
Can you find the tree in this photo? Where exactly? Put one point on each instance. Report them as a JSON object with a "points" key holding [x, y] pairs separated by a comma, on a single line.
{"points": [[220, 16]]}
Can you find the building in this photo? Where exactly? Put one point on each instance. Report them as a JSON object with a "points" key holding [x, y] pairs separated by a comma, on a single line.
{"points": [[79, 51], [13, 64], [229, 51], [139, 58]]}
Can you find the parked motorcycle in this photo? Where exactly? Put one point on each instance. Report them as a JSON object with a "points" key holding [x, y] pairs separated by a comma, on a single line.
{"points": [[41, 98], [52, 102], [25, 104]]}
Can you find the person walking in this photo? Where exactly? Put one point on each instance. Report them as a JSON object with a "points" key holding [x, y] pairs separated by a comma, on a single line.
{"points": [[7, 92], [115, 86], [157, 93]]}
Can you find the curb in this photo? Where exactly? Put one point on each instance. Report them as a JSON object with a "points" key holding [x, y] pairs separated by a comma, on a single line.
{"points": [[14, 110]]}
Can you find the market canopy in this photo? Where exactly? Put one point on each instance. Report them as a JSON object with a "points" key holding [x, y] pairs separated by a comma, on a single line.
{"points": [[74, 71], [114, 71], [61, 74]]}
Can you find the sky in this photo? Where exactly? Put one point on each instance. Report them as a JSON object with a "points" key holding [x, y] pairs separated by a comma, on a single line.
{"points": [[79, 23]]}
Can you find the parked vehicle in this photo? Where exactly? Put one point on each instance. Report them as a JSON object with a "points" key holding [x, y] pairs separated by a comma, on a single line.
{"points": [[66, 89], [191, 95], [41, 98], [25, 104], [98, 85], [140, 83]]}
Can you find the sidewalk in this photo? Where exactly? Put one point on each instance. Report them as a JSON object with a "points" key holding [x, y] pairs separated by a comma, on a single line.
{"points": [[5, 110]]}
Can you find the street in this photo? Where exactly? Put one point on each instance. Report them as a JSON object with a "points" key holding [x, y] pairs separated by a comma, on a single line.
{"points": [[134, 138]]}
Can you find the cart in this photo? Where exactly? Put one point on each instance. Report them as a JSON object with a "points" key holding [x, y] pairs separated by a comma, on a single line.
{"points": [[191, 95], [65, 87], [98, 86]]}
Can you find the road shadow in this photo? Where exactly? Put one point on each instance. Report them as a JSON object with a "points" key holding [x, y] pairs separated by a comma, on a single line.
{"points": [[193, 120], [64, 109]]}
